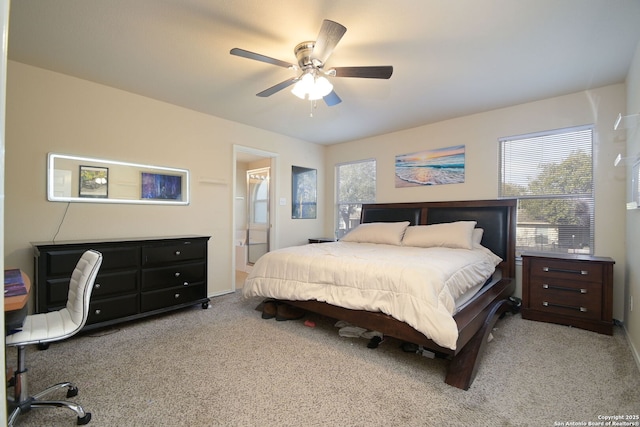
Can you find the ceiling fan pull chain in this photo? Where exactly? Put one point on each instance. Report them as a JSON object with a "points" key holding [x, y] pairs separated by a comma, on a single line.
{"points": [[312, 105]]}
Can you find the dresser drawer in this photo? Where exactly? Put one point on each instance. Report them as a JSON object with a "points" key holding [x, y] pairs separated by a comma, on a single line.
{"points": [[175, 275], [64, 262], [566, 297], [565, 269], [56, 293], [167, 297], [116, 283], [112, 308], [177, 252], [57, 290]]}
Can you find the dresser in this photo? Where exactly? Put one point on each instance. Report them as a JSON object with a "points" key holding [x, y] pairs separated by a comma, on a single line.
{"points": [[138, 277], [567, 289]]}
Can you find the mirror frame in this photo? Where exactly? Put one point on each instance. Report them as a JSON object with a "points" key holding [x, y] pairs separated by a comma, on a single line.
{"points": [[84, 162]]}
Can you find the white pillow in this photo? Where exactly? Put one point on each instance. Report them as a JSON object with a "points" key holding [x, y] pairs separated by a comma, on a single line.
{"points": [[388, 233], [457, 234], [476, 236]]}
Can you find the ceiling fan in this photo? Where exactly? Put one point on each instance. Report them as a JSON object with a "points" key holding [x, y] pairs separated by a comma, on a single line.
{"points": [[312, 56]]}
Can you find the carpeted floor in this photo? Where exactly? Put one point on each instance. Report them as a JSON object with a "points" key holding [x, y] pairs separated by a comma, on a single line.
{"points": [[227, 367]]}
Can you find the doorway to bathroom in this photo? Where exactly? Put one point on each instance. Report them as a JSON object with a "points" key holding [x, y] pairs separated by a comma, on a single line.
{"points": [[253, 208]]}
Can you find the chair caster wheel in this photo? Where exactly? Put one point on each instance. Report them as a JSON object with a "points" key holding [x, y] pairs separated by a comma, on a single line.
{"points": [[72, 391], [205, 305], [84, 420]]}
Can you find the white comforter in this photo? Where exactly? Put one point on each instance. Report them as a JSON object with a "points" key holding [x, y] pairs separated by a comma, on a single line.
{"points": [[415, 285]]}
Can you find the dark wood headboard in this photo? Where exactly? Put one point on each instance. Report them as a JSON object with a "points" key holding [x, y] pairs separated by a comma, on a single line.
{"points": [[496, 217]]}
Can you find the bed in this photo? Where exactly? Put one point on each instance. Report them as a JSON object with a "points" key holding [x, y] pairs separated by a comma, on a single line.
{"points": [[471, 323]]}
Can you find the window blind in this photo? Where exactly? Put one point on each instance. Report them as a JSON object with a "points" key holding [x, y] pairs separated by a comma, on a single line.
{"points": [[551, 174]]}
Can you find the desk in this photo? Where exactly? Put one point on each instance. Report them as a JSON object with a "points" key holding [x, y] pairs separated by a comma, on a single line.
{"points": [[18, 302], [15, 307]]}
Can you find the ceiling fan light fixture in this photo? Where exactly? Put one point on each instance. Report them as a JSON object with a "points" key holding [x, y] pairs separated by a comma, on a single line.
{"points": [[323, 87], [311, 86], [299, 90]]}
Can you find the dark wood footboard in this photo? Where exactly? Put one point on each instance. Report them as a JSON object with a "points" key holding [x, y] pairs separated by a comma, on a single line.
{"points": [[475, 323]]}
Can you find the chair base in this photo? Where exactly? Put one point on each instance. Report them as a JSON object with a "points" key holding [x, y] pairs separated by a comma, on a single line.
{"points": [[35, 402]]}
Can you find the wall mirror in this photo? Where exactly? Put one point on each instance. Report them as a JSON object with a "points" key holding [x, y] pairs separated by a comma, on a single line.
{"points": [[86, 179], [303, 192]]}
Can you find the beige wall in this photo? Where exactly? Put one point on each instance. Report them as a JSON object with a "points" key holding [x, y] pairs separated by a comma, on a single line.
{"points": [[632, 318], [480, 132], [51, 112]]}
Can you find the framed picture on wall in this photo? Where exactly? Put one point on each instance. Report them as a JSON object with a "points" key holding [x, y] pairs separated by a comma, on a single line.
{"points": [[159, 186], [303, 192], [431, 167], [94, 182]]}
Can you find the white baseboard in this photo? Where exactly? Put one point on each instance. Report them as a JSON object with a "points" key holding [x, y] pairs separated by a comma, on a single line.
{"points": [[634, 351]]}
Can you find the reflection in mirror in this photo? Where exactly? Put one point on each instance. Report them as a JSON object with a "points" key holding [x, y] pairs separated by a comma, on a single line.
{"points": [[85, 179]]}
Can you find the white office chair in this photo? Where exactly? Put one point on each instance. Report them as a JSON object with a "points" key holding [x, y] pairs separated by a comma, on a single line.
{"points": [[54, 326]]}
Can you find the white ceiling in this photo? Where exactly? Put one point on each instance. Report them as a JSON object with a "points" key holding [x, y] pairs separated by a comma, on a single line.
{"points": [[450, 58]]}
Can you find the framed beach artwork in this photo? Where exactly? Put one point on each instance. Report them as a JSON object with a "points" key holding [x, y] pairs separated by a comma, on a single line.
{"points": [[430, 167]]}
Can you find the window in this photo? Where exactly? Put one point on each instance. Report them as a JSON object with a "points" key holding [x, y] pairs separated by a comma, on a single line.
{"points": [[355, 185], [551, 174], [258, 190]]}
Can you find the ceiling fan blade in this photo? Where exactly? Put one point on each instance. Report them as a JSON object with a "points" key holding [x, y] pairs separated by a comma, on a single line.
{"points": [[256, 56], [332, 99], [379, 72], [329, 36], [277, 88]]}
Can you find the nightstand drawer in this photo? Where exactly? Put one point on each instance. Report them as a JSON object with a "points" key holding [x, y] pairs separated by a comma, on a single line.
{"points": [[567, 298], [563, 269]]}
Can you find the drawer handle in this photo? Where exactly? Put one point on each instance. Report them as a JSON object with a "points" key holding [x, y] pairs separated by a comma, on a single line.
{"points": [[96, 286], [563, 270], [581, 309], [98, 311], [177, 274], [177, 253], [563, 288], [176, 296]]}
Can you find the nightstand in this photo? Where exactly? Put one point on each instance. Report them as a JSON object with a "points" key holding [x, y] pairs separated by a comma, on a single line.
{"points": [[568, 289], [322, 240]]}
